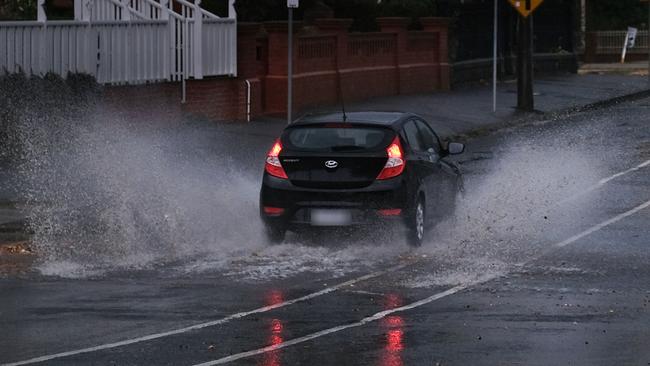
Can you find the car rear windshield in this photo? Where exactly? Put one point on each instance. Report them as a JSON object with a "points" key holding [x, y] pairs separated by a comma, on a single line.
{"points": [[333, 138]]}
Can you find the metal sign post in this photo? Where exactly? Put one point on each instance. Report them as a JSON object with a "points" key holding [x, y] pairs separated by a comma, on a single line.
{"points": [[291, 4], [525, 96], [525, 99]]}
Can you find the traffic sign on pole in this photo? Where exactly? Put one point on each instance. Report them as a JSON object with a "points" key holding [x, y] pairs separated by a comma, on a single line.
{"points": [[525, 7], [293, 3]]}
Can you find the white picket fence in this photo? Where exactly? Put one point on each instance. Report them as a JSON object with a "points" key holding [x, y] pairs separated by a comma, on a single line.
{"points": [[127, 42]]}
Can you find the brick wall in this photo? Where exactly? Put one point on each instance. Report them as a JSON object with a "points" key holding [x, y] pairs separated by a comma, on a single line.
{"points": [[329, 62], [144, 101]]}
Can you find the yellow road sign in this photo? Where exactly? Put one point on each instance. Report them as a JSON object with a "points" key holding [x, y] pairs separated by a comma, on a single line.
{"points": [[525, 7]]}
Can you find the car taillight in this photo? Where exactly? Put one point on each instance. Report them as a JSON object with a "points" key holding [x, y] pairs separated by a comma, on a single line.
{"points": [[390, 212], [273, 165], [395, 163], [273, 211]]}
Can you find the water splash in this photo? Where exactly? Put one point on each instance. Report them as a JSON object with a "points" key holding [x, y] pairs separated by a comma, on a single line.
{"points": [[111, 191], [513, 207]]}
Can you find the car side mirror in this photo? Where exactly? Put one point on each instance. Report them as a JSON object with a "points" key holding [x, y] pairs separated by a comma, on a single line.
{"points": [[455, 148]]}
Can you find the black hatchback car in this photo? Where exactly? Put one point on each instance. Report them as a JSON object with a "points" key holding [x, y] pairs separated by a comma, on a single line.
{"points": [[356, 169]]}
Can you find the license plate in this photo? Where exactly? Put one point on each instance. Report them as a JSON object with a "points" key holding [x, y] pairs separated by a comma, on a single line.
{"points": [[320, 217]]}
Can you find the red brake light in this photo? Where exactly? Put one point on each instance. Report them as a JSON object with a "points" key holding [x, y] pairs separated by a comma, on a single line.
{"points": [[273, 165], [390, 212], [273, 211], [395, 163]]}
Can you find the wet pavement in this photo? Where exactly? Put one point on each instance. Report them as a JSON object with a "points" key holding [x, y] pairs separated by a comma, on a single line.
{"points": [[544, 263]]}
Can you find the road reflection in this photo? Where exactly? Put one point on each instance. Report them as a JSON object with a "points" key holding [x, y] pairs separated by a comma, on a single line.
{"points": [[274, 331], [391, 354], [274, 297]]}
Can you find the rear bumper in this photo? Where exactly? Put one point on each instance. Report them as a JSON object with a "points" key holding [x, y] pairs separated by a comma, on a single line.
{"points": [[362, 203]]}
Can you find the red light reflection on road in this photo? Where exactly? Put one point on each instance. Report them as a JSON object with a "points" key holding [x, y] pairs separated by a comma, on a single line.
{"points": [[274, 297], [394, 337], [276, 332], [392, 301], [275, 329]]}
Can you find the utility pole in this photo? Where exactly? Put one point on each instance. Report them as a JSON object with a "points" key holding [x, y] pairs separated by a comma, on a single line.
{"points": [[525, 101], [525, 8]]}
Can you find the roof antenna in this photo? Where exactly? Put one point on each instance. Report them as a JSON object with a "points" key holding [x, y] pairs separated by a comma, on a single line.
{"points": [[338, 82]]}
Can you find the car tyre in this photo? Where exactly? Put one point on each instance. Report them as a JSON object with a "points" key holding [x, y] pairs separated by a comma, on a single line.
{"points": [[274, 234], [415, 225]]}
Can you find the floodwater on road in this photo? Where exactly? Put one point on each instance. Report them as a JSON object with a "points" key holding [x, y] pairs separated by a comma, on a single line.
{"points": [[125, 195]]}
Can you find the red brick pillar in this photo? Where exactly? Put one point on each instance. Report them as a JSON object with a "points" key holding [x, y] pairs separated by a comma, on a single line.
{"points": [[397, 26], [246, 49], [275, 93], [440, 26], [338, 28], [247, 70]]}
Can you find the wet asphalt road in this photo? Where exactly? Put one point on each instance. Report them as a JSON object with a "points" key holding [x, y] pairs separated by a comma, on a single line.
{"points": [[545, 263]]}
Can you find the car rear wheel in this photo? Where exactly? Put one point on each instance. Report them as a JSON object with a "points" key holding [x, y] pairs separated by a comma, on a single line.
{"points": [[274, 234], [416, 224]]}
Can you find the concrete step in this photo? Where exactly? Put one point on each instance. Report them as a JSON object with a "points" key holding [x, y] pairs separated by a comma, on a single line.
{"points": [[631, 68]]}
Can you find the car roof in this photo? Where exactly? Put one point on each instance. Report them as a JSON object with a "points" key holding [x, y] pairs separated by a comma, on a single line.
{"points": [[389, 119]]}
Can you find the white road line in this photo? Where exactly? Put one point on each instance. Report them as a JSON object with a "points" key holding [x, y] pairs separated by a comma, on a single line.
{"points": [[602, 225], [604, 181], [325, 332], [212, 323], [414, 305]]}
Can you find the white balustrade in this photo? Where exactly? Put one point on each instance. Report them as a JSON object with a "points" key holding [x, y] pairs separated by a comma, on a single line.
{"points": [[125, 42]]}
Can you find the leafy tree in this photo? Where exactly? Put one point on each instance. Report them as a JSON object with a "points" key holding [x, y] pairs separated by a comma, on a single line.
{"points": [[26, 10], [616, 15], [18, 10], [363, 12]]}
